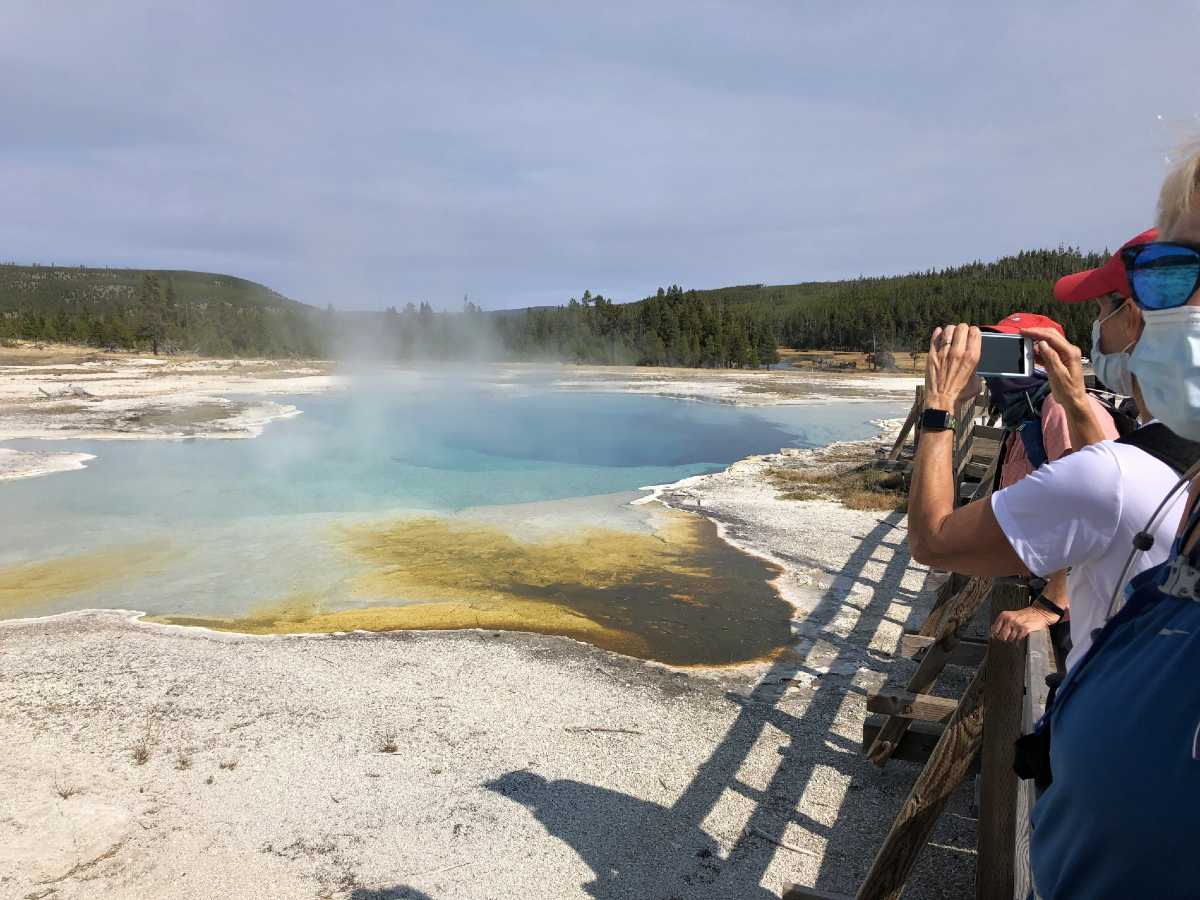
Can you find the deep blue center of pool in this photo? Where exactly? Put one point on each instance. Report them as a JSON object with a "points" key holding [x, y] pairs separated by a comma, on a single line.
{"points": [[438, 448]]}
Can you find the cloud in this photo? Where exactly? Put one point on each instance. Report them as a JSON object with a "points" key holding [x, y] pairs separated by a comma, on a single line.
{"points": [[383, 153]]}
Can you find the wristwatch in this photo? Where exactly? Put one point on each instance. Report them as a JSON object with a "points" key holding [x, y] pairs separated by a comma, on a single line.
{"points": [[1049, 605], [938, 420]]}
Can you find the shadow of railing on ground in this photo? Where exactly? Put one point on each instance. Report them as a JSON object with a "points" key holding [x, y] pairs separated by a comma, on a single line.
{"points": [[644, 850], [395, 892]]}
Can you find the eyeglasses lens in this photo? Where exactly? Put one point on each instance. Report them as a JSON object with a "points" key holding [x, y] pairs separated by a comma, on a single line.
{"points": [[1164, 276]]}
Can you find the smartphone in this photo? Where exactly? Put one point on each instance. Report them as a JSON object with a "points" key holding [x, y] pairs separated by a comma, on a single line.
{"points": [[1005, 354]]}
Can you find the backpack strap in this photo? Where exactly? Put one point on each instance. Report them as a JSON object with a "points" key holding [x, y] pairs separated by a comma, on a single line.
{"points": [[1030, 433], [1164, 445], [1023, 415]]}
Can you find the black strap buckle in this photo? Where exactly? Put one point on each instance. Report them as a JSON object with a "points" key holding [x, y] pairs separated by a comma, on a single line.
{"points": [[1045, 602]]}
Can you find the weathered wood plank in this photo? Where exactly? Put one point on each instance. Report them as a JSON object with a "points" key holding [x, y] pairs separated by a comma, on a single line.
{"points": [[916, 745], [989, 477], [913, 415], [967, 491], [943, 622], [975, 469], [1004, 691], [918, 707], [988, 433], [948, 765], [800, 892], [947, 616], [953, 584], [960, 651], [1039, 662]]}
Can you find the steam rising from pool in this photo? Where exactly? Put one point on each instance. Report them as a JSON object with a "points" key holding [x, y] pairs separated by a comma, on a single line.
{"points": [[421, 500]]}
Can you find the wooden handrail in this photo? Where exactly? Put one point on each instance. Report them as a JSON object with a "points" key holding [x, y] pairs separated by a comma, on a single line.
{"points": [[974, 733]]}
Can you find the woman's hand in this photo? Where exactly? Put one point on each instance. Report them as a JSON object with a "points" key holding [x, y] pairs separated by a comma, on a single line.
{"points": [[950, 367], [1015, 624], [1063, 363]]}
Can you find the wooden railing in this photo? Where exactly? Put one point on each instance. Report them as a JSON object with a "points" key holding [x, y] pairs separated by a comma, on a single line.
{"points": [[971, 735]]}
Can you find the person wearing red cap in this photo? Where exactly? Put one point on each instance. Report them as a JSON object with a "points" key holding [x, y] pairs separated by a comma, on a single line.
{"points": [[1039, 431], [1115, 332], [1123, 812], [1033, 395], [1079, 512]]}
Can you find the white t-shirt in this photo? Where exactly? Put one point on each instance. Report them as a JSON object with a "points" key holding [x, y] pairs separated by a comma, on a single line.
{"points": [[1082, 511]]}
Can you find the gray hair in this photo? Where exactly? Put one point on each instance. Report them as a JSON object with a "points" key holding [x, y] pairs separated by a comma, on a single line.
{"points": [[1180, 190]]}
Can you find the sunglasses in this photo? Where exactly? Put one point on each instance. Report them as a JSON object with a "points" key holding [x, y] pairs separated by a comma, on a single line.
{"points": [[1163, 274]]}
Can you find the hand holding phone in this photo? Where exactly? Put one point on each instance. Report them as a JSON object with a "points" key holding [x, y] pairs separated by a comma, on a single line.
{"points": [[1005, 354], [1063, 362], [953, 357]]}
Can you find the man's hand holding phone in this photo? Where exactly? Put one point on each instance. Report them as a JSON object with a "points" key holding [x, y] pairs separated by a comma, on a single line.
{"points": [[1063, 363], [950, 366]]}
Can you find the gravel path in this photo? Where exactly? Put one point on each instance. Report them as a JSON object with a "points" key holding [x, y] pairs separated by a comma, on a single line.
{"points": [[152, 762]]}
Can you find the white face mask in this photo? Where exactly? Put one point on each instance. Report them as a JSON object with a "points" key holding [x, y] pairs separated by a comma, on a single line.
{"points": [[1166, 362], [1112, 368]]}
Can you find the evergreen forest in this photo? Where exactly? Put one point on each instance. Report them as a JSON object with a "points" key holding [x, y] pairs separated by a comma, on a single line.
{"points": [[741, 326]]}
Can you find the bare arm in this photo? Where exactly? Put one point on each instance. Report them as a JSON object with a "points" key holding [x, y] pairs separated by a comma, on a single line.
{"points": [[968, 539], [1015, 624], [1063, 362]]}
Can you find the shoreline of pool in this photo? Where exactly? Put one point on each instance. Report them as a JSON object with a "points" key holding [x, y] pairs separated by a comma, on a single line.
{"points": [[170, 740], [87, 395]]}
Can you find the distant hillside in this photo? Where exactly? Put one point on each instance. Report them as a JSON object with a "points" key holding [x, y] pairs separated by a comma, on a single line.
{"points": [[203, 312], [742, 325], [739, 326], [52, 286]]}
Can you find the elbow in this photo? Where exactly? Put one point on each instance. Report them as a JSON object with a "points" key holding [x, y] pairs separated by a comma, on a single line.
{"points": [[919, 550], [926, 548]]}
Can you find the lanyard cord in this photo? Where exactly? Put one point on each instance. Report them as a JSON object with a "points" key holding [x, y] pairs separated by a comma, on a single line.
{"points": [[1144, 539]]}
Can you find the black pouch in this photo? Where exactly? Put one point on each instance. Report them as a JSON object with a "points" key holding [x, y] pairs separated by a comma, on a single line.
{"points": [[1031, 758]]}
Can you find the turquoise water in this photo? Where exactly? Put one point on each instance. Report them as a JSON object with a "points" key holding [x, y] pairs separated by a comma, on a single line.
{"points": [[247, 514], [438, 450]]}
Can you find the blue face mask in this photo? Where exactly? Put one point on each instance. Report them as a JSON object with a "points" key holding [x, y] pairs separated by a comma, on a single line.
{"points": [[1166, 362]]}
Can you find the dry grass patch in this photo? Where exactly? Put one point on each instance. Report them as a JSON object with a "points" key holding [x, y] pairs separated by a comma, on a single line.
{"points": [[858, 487], [66, 791], [141, 752], [386, 741]]}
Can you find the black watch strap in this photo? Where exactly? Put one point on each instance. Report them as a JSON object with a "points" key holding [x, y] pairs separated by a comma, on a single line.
{"points": [[938, 420], [1049, 605]]}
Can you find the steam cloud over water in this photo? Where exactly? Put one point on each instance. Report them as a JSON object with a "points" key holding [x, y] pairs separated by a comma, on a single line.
{"points": [[472, 497]]}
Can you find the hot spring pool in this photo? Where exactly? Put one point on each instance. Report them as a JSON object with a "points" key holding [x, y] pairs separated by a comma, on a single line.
{"points": [[431, 504]]}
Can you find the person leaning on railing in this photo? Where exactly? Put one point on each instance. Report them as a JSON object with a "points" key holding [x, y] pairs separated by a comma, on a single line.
{"points": [[1115, 331], [1039, 431], [1075, 513], [1122, 816]]}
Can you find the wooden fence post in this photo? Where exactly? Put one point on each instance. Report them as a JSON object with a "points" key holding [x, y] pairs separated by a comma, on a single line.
{"points": [[914, 416], [1003, 693], [943, 625], [948, 765]]}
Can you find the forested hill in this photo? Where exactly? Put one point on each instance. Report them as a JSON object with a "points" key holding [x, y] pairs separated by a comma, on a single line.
{"points": [[734, 326], [738, 326], [215, 315]]}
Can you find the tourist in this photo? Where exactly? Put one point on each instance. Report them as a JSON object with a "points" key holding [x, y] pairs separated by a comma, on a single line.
{"points": [[1078, 512], [1039, 431], [1022, 400], [1122, 816]]}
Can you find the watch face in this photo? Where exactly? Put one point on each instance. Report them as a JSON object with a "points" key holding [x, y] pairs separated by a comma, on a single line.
{"points": [[936, 419]]}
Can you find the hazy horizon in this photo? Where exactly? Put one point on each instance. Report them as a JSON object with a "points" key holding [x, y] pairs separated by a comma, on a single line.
{"points": [[520, 155]]}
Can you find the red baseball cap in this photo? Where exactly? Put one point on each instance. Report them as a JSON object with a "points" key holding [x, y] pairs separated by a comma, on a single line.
{"points": [[1012, 324], [1109, 278]]}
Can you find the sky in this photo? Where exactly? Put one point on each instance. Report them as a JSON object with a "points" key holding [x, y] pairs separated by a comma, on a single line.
{"points": [[372, 154]]}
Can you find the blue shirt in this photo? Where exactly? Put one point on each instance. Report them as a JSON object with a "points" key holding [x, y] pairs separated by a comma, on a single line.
{"points": [[1122, 818]]}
